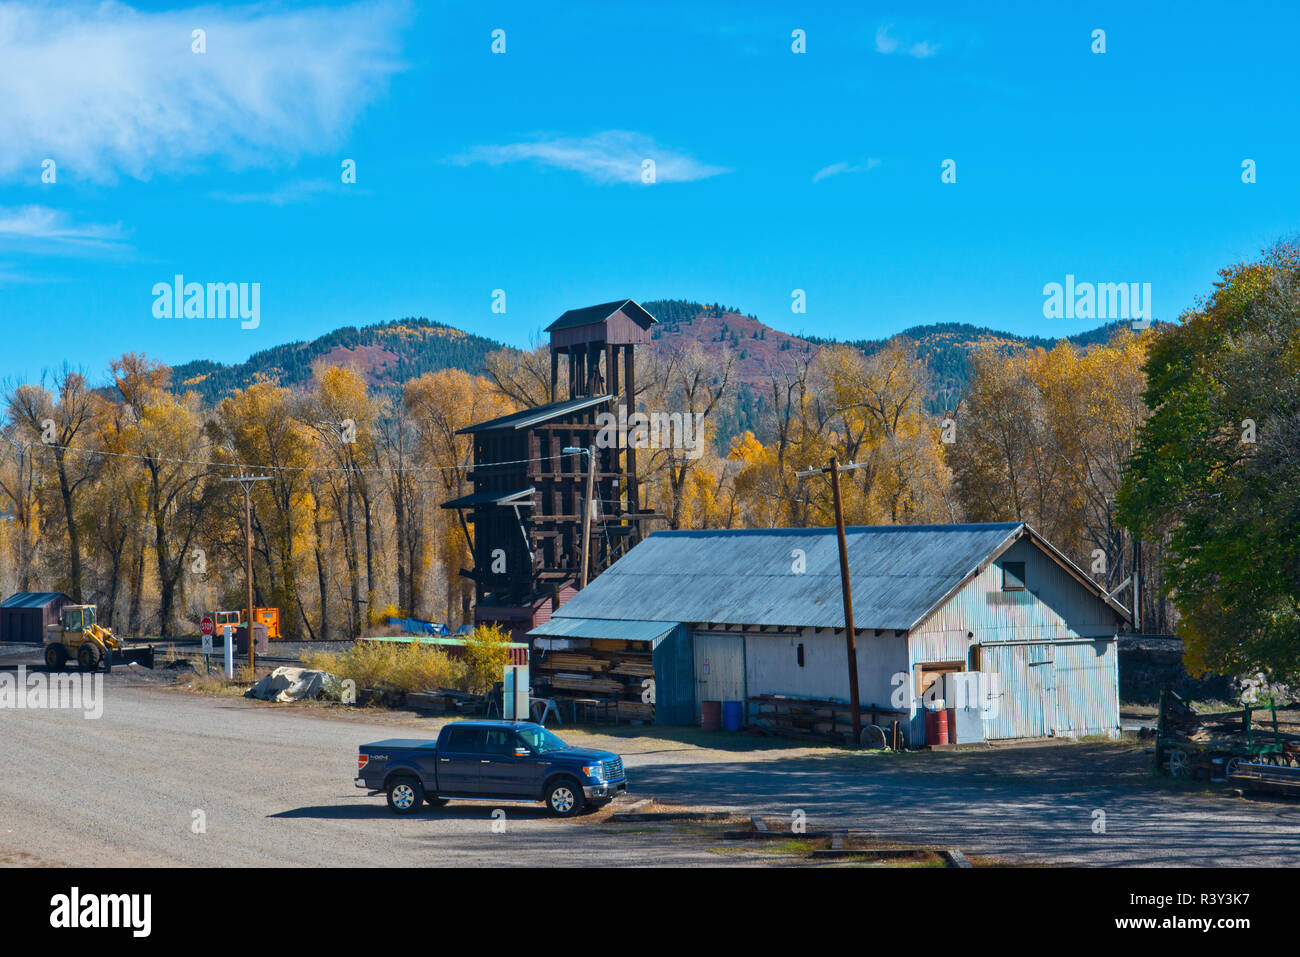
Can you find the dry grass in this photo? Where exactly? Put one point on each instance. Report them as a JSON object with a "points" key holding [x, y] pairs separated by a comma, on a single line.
{"points": [[217, 683], [400, 667]]}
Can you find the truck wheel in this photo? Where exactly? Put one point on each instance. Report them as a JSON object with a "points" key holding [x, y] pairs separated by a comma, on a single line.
{"points": [[405, 795], [86, 658], [564, 799], [56, 656]]}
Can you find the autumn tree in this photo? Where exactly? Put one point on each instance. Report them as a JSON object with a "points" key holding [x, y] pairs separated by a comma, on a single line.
{"points": [[61, 425], [261, 424], [441, 404], [164, 432], [689, 384], [1217, 469], [1042, 436]]}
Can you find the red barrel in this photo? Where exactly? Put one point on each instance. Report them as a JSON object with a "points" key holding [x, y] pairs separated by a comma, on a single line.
{"points": [[940, 727], [711, 715], [930, 737]]}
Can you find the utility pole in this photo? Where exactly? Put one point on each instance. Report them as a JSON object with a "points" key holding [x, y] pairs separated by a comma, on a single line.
{"points": [[246, 483], [833, 468], [587, 506], [1137, 586]]}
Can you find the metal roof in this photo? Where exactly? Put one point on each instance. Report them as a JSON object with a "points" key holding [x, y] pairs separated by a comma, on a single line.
{"points": [[593, 314], [32, 599], [537, 414], [747, 577], [621, 629], [491, 498]]}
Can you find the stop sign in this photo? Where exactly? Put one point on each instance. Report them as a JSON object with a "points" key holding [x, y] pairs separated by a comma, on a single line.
{"points": [[205, 625]]}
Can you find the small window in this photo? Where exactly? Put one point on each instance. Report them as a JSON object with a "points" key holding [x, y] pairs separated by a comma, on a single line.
{"points": [[799, 654], [466, 741], [1013, 576]]}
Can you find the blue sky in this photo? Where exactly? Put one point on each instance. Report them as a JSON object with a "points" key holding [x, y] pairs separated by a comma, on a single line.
{"points": [[521, 171]]}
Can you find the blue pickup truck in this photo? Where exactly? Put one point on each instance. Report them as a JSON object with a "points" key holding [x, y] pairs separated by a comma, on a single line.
{"points": [[490, 760]]}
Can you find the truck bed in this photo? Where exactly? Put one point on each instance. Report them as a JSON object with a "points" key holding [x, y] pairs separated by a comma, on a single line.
{"points": [[395, 744]]}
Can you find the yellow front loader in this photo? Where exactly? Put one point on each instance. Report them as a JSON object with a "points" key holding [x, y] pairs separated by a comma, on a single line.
{"points": [[77, 635]]}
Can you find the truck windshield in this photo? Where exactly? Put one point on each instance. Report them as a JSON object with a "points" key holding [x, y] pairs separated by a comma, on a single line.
{"points": [[539, 739]]}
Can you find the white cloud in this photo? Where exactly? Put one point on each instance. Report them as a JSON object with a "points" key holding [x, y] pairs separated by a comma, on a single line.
{"points": [[836, 169], [887, 43], [614, 156], [104, 89], [40, 224]]}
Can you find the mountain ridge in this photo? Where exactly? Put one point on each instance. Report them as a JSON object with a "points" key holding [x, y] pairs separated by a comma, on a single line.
{"points": [[389, 353]]}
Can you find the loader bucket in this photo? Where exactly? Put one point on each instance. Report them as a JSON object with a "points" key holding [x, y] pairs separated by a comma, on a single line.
{"points": [[141, 656]]}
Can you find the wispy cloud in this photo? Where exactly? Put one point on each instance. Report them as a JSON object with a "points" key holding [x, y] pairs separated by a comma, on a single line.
{"points": [[614, 156], [887, 43], [884, 42], [104, 89], [837, 169], [10, 278], [40, 224]]}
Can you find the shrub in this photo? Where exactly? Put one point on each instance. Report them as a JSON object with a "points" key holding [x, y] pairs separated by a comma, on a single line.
{"points": [[404, 666], [487, 650]]}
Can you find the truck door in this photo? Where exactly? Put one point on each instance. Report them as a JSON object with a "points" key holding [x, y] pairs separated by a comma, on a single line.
{"points": [[459, 767], [507, 775]]}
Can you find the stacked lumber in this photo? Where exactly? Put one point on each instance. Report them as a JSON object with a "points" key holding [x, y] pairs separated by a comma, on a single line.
{"points": [[611, 671], [585, 683], [813, 717]]}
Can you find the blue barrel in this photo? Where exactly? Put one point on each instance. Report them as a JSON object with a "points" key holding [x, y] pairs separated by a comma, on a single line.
{"points": [[732, 715]]}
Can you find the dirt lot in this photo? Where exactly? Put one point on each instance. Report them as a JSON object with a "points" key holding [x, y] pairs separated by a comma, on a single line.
{"points": [[273, 783]]}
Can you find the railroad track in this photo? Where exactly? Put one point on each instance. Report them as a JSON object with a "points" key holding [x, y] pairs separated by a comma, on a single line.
{"points": [[195, 653]]}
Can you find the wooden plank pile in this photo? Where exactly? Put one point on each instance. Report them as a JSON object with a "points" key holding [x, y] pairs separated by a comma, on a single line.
{"points": [[610, 674], [813, 717]]}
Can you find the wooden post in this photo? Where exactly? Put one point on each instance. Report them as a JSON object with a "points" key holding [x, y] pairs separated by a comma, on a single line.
{"points": [[586, 513], [847, 589], [246, 483], [248, 567], [1137, 586], [629, 378]]}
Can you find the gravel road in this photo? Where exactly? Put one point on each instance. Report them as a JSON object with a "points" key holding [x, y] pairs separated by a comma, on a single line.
{"points": [[274, 788]]}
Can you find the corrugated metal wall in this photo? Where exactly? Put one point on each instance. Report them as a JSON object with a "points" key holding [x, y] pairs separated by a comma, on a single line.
{"points": [[1046, 688], [1087, 678], [1053, 606], [1024, 690], [1048, 685], [772, 665], [675, 678]]}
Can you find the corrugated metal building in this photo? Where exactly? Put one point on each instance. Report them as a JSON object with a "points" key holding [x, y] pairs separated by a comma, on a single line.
{"points": [[735, 614], [24, 615]]}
